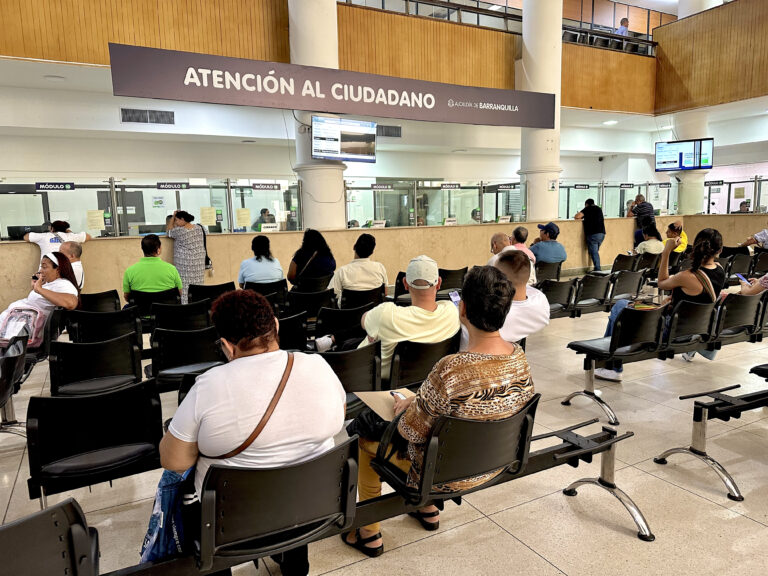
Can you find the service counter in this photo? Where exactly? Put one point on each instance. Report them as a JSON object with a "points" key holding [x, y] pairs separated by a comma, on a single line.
{"points": [[105, 259]]}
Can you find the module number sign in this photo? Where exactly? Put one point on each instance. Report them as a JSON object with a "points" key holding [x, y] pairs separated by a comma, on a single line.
{"points": [[173, 185], [626, 186], [47, 186], [581, 186], [713, 183]]}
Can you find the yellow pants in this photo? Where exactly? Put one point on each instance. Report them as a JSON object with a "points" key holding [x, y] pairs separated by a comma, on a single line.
{"points": [[368, 481]]}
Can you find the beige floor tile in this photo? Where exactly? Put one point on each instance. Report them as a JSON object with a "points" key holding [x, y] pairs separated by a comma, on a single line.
{"points": [[592, 533], [121, 531], [760, 427], [480, 547]]}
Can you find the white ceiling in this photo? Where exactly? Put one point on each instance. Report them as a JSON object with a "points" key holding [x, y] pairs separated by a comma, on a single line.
{"points": [[668, 6]]}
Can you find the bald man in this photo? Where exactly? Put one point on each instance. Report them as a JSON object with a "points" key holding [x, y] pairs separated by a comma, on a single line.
{"points": [[73, 251], [500, 243]]}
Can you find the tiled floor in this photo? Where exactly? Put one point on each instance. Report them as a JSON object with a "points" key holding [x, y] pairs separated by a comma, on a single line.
{"points": [[529, 526]]}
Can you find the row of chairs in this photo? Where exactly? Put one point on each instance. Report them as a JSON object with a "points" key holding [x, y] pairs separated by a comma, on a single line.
{"points": [[591, 293]]}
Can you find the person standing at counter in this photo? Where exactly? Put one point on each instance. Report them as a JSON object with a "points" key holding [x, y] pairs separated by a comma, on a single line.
{"points": [[594, 229], [51, 242], [188, 250]]}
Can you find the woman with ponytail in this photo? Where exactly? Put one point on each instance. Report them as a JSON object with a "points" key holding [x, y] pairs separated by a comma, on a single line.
{"points": [[701, 284]]}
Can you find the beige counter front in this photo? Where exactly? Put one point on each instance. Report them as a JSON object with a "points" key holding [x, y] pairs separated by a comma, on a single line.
{"points": [[105, 259]]}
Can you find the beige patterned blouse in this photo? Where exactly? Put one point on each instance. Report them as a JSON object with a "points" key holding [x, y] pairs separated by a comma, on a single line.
{"points": [[465, 385]]}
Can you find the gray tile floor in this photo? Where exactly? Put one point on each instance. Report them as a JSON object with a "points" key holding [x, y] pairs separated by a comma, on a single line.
{"points": [[529, 526]]}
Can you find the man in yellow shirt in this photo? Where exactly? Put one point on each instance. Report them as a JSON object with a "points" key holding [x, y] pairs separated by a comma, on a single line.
{"points": [[426, 320], [675, 230]]}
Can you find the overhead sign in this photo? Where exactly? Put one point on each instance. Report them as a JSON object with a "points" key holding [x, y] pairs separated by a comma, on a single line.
{"points": [[382, 187], [171, 75], [173, 185], [54, 186], [713, 183], [581, 186], [625, 186], [665, 185], [450, 186], [507, 187], [266, 186]]}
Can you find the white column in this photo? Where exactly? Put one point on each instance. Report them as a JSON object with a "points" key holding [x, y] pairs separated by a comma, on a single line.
{"points": [[314, 41], [690, 190], [541, 72], [687, 8]]}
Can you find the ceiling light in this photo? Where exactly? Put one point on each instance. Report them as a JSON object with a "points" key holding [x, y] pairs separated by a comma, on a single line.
{"points": [[610, 122], [54, 78], [667, 127]]}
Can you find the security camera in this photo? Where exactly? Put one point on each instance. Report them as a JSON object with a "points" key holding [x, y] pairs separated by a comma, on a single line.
{"points": [[599, 158]]}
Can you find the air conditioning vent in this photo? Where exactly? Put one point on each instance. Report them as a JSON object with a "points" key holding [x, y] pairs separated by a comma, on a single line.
{"points": [[389, 131], [147, 116]]}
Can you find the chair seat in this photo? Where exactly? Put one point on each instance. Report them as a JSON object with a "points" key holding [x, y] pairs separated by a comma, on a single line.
{"points": [[600, 348], [761, 370], [98, 460], [178, 372], [686, 340], [588, 302], [95, 385], [555, 308]]}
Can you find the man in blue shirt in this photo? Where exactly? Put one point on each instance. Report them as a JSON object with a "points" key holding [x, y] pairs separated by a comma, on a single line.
{"points": [[623, 29], [546, 248]]}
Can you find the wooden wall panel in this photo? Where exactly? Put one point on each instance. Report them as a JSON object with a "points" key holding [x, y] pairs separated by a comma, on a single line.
{"points": [[620, 11], [714, 57], [638, 20], [424, 48], [667, 18], [572, 9], [80, 30], [655, 18], [607, 80], [603, 12]]}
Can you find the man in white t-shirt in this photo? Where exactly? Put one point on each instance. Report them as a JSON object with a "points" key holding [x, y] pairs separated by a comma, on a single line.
{"points": [[51, 242], [500, 242], [73, 251], [362, 273], [426, 320]]}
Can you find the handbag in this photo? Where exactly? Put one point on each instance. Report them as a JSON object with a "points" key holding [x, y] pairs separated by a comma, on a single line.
{"points": [[166, 537], [20, 318], [208, 261]]}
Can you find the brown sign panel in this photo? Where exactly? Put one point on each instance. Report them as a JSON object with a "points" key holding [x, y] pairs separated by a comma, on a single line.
{"points": [[171, 75]]}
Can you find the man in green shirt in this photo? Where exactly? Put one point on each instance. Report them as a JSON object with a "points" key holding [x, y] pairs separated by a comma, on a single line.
{"points": [[151, 274]]}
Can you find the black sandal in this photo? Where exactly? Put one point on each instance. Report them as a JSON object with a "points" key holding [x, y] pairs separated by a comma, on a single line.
{"points": [[420, 516], [360, 544]]}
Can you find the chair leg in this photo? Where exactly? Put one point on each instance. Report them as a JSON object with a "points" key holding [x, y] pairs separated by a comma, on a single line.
{"points": [[7, 413], [606, 482], [590, 392], [43, 499], [698, 448]]}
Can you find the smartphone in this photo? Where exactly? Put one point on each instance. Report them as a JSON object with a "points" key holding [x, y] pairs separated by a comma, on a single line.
{"points": [[35, 277], [397, 395], [455, 298], [740, 277]]}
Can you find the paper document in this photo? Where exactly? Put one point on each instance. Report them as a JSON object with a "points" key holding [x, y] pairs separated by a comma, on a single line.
{"points": [[94, 219], [382, 402], [208, 216], [243, 218]]}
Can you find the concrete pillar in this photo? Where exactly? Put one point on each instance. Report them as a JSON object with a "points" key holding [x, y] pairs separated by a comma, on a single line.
{"points": [[314, 42], [690, 190], [540, 71], [687, 8]]}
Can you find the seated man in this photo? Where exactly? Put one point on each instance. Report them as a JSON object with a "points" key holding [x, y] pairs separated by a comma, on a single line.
{"points": [[50, 242], [500, 243], [151, 274], [519, 238], [73, 251], [426, 320], [546, 248], [362, 273]]}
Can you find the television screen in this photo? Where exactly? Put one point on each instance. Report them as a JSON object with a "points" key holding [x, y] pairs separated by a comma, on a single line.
{"points": [[343, 139], [684, 155]]}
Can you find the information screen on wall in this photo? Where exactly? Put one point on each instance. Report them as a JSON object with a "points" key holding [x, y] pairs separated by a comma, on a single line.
{"points": [[343, 139], [684, 155]]}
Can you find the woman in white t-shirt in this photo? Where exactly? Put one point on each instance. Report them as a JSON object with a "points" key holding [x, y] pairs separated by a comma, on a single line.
{"points": [[50, 242], [226, 403], [651, 243]]}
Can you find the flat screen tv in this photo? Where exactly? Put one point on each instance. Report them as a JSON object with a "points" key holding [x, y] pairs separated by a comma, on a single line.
{"points": [[343, 139], [684, 155]]}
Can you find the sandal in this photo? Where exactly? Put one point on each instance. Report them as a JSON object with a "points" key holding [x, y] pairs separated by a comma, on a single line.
{"points": [[420, 516], [360, 544]]}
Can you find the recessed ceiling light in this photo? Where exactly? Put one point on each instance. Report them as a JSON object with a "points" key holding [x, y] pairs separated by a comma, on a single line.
{"points": [[610, 122], [667, 127], [54, 78]]}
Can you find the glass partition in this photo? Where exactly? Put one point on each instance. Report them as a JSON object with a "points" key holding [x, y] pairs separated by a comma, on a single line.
{"points": [[279, 197]]}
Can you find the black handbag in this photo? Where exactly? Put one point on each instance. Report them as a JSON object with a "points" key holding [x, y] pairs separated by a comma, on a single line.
{"points": [[370, 426]]}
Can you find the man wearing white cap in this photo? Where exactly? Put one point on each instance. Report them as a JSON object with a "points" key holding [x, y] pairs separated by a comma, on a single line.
{"points": [[426, 320]]}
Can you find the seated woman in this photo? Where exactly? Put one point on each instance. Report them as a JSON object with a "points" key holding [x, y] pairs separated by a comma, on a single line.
{"points": [[702, 284], [675, 230], [489, 381], [263, 267], [54, 285], [313, 260], [226, 403], [651, 243]]}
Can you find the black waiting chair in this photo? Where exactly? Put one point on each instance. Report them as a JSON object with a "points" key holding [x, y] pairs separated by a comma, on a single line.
{"points": [[309, 302], [691, 327], [625, 285], [293, 332], [78, 369], [733, 250], [84, 327], [359, 371], [199, 292], [194, 316], [11, 372], [279, 288], [560, 296], [741, 264], [53, 541], [759, 264], [648, 262], [413, 361], [738, 319], [452, 279], [287, 507], [451, 454], [358, 298], [548, 271], [179, 352], [725, 262], [317, 284], [144, 300], [342, 323], [51, 331], [592, 293], [621, 262], [78, 441], [108, 301], [399, 288]]}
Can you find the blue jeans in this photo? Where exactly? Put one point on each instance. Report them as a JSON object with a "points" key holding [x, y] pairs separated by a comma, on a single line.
{"points": [[593, 246], [616, 310]]}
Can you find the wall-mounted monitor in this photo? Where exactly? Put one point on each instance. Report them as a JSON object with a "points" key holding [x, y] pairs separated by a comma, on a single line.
{"points": [[685, 155], [343, 139]]}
